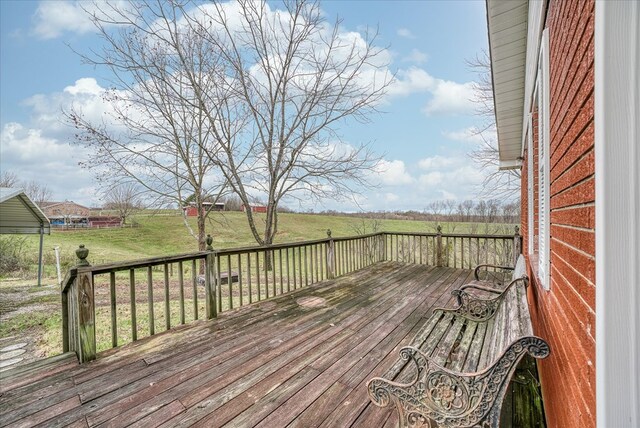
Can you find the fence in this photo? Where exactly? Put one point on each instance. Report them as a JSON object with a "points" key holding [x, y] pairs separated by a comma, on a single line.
{"points": [[108, 305]]}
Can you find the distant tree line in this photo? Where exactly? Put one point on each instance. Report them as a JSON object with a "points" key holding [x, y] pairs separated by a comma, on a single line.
{"points": [[482, 211]]}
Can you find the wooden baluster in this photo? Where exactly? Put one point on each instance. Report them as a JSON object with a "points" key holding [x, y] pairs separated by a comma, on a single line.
{"points": [[212, 270], [114, 321], [272, 257], [240, 278], [315, 262], [300, 264], [266, 274], [218, 282], [288, 270], [181, 282], [249, 277], [293, 264], [167, 309], [230, 281], [258, 274], [152, 320], [439, 247], [306, 266], [462, 253], [310, 259], [280, 264], [132, 293], [194, 281], [397, 248]]}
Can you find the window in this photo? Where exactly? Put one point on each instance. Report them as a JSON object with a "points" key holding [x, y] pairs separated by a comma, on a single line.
{"points": [[543, 161]]}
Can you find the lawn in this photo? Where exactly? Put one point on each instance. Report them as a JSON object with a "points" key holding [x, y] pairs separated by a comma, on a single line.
{"points": [[159, 234]]}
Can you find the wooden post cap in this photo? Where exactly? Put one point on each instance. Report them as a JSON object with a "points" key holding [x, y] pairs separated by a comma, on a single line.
{"points": [[82, 253]]}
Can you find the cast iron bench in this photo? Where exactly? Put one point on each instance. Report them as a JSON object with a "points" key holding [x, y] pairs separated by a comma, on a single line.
{"points": [[488, 282], [463, 359]]}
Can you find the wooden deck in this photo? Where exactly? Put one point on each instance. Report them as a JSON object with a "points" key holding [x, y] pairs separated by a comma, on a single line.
{"points": [[299, 360]]}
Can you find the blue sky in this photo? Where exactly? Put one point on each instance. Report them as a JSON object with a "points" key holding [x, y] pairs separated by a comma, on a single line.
{"points": [[422, 134]]}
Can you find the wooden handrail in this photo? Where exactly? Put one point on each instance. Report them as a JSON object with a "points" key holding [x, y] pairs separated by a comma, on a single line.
{"points": [[233, 277]]}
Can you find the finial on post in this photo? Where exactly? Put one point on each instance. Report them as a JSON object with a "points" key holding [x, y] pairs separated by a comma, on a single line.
{"points": [[439, 229], [209, 242], [517, 232], [329, 233], [82, 253]]}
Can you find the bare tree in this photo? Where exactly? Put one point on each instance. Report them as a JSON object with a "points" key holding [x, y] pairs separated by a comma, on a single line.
{"points": [[155, 134], [235, 96], [290, 79], [124, 199], [9, 179], [37, 192], [502, 184]]}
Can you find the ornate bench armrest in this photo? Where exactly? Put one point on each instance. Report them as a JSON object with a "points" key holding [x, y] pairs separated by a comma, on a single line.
{"points": [[476, 272], [448, 398], [477, 309], [462, 290]]}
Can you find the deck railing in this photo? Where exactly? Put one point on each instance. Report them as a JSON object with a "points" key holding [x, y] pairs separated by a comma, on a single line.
{"points": [[108, 305]]}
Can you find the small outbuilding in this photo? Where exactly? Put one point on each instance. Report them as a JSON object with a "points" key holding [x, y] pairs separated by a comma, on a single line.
{"points": [[20, 215]]}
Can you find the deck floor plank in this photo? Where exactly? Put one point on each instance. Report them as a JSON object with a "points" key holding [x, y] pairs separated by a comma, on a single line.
{"points": [[269, 364]]}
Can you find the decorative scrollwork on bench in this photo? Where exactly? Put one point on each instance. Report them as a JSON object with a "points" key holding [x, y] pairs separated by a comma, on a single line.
{"points": [[440, 397], [473, 308]]}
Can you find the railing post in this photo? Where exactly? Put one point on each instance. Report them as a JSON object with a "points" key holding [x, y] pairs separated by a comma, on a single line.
{"points": [[211, 308], [86, 348], [439, 247], [517, 245], [331, 269]]}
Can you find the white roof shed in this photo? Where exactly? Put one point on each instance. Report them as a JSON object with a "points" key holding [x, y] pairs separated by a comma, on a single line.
{"points": [[20, 215]]}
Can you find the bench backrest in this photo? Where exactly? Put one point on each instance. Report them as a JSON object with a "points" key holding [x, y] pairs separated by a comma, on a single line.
{"points": [[510, 322]]}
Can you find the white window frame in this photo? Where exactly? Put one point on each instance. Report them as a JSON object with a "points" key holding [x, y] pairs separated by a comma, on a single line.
{"points": [[544, 222], [617, 156]]}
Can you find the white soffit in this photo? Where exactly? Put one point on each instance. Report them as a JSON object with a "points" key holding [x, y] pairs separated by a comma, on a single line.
{"points": [[507, 23], [20, 215]]}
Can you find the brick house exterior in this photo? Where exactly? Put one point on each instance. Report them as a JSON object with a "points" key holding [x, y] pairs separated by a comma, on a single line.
{"points": [[544, 57], [66, 208]]}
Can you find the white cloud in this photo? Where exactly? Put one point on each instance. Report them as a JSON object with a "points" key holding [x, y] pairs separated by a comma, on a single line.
{"points": [[465, 135], [450, 98], [447, 97], [54, 18], [416, 56], [391, 197], [436, 162], [406, 33], [411, 81], [431, 179], [392, 173], [50, 161]]}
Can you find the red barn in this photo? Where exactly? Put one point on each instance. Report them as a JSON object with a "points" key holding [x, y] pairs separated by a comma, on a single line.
{"points": [[567, 104], [192, 211], [255, 208]]}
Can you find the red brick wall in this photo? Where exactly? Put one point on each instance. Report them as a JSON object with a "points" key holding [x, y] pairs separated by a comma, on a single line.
{"points": [[565, 315]]}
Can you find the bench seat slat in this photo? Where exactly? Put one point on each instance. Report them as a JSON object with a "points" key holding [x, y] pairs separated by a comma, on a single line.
{"points": [[445, 347], [463, 348]]}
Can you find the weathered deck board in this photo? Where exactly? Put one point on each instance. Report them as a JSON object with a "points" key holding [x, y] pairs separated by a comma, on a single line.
{"points": [[270, 364]]}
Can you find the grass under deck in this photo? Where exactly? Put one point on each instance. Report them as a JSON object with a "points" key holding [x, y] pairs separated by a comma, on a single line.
{"points": [[299, 360]]}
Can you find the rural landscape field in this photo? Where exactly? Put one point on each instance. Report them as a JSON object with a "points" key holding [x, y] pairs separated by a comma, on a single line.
{"points": [[34, 312]]}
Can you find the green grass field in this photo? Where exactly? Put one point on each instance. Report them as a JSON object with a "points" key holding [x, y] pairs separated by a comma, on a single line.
{"points": [[35, 311], [165, 234]]}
